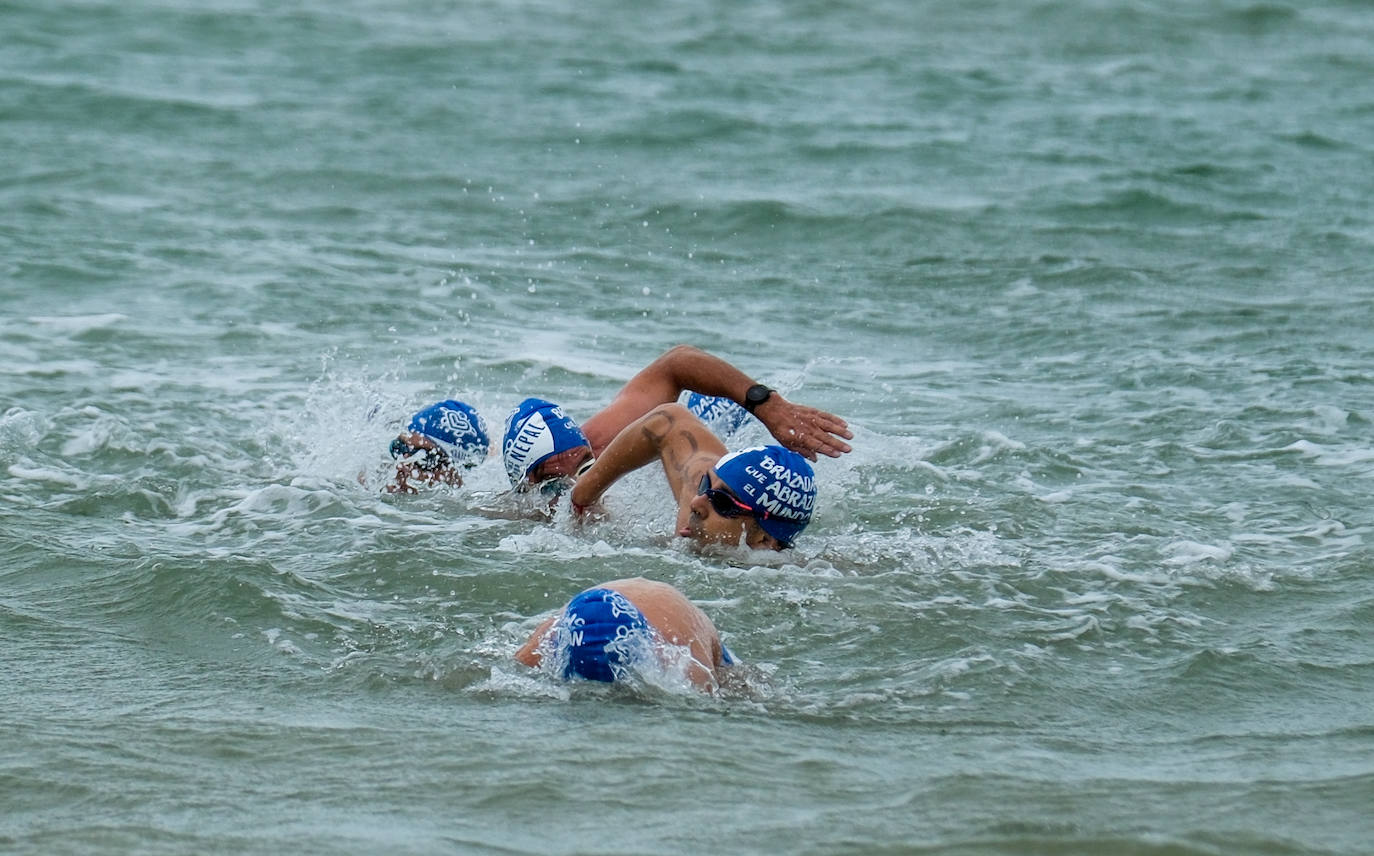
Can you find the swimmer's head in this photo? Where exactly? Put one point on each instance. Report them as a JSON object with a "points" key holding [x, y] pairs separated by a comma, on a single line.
{"points": [[454, 427], [435, 443], [597, 634], [538, 431], [776, 486]]}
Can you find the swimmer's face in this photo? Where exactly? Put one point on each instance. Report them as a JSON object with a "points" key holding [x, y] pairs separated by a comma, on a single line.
{"points": [[556, 474], [568, 463], [708, 525], [420, 461]]}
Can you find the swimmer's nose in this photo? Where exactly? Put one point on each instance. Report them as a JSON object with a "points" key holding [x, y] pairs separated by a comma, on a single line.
{"points": [[700, 505]]}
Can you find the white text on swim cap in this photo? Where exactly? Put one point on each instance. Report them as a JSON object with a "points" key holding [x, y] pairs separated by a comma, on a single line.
{"points": [[782, 473], [786, 503], [521, 443], [575, 635]]}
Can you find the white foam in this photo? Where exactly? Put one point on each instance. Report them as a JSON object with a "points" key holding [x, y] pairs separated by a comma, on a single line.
{"points": [[21, 429], [994, 443], [93, 436], [76, 324], [1182, 553], [1327, 419], [1328, 456], [276, 638], [49, 475], [528, 684]]}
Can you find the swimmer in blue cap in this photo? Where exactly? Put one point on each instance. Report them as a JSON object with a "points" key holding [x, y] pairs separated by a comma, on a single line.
{"points": [[543, 446], [605, 632], [762, 497], [436, 443]]}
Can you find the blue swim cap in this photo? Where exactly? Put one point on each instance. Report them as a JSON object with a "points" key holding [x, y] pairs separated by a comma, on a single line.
{"points": [[591, 623], [774, 480], [721, 415], [536, 430], [456, 428]]}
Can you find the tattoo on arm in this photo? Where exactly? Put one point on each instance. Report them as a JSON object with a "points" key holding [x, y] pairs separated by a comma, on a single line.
{"points": [[657, 427], [677, 456], [676, 445]]}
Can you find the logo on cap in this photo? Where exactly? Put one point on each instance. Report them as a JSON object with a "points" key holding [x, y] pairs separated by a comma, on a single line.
{"points": [[456, 426]]}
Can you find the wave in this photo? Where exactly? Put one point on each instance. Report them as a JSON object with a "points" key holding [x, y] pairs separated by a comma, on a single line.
{"points": [[795, 221], [1256, 19], [1141, 207], [140, 111]]}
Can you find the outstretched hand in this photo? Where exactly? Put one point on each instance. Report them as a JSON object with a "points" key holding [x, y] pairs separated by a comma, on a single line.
{"points": [[805, 430]]}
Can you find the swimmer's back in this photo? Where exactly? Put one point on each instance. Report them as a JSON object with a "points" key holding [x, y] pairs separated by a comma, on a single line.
{"points": [[675, 617], [672, 616]]}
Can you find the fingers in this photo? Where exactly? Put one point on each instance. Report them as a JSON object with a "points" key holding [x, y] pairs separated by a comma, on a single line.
{"points": [[809, 447], [826, 446], [832, 449], [837, 426], [812, 440], [809, 431], [823, 433], [827, 422]]}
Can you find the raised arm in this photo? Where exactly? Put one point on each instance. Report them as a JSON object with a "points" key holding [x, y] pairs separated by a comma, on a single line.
{"points": [[805, 430]]}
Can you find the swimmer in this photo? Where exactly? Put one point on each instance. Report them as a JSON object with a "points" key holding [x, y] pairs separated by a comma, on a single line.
{"points": [[596, 636], [761, 497], [436, 443], [542, 444], [543, 447]]}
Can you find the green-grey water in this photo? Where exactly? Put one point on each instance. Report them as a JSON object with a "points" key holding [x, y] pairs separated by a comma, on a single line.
{"points": [[1091, 281]]}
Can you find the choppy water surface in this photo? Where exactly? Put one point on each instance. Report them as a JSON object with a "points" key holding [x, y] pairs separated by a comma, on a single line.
{"points": [[1090, 280]]}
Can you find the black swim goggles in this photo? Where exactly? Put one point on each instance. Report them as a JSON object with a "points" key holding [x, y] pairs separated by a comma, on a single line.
{"points": [[725, 503], [431, 461]]}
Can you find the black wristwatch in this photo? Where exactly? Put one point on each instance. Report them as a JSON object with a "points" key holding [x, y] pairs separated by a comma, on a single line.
{"points": [[756, 395]]}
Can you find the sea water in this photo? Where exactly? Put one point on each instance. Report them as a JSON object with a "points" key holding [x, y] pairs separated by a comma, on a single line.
{"points": [[1090, 280]]}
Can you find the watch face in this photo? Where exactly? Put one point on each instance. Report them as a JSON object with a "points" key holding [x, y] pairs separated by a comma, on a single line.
{"points": [[756, 395]]}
